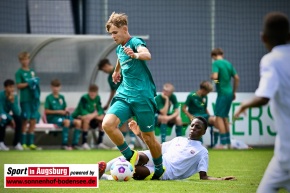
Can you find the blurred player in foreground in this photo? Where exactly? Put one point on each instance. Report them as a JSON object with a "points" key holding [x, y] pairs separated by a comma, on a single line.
{"points": [[182, 157], [274, 86], [222, 73], [135, 95], [166, 115]]}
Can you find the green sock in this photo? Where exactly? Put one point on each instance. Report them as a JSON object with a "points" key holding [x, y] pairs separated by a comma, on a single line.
{"points": [[30, 138], [23, 138], [215, 137], [76, 137], [125, 150], [178, 130], [158, 165], [223, 138], [124, 133], [228, 138], [65, 131], [163, 129]]}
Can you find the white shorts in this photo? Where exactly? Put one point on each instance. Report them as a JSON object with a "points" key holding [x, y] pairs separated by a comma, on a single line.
{"points": [[274, 178]]}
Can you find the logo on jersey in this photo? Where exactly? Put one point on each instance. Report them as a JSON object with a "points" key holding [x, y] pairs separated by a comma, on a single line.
{"points": [[149, 126], [192, 151], [204, 100], [60, 101], [32, 74]]}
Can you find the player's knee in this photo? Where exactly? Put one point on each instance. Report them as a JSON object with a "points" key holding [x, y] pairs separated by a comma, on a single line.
{"points": [[66, 123], [162, 119], [77, 123], [178, 120]]}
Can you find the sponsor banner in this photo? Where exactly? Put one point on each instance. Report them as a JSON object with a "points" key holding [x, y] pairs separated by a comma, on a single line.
{"points": [[51, 176]]}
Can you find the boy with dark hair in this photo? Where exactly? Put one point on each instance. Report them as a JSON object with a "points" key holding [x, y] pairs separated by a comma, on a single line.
{"points": [[274, 86], [55, 110], [222, 73], [91, 113], [28, 84], [8, 103]]}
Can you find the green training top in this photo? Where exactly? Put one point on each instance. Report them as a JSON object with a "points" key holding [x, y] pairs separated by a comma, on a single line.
{"points": [[137, 79], [113, 86], [160, 101], [22, 76], [197, 105], [225, 72], [53, 103], [87, 106], [6, 106]]}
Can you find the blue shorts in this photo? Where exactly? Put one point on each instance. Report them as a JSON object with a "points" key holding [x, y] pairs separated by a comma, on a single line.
{"points": [[223, 105], [142, 109]]}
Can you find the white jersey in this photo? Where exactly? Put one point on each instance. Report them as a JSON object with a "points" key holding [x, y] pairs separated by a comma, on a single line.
{"points": [[275, 85]]}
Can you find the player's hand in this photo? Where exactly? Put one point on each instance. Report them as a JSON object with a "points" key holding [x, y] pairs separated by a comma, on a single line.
{"points": [[228, 178], [164, 96], [241, 110], [12, 123], [129, 52], [11, 98], [134, 127], [116, 77]]}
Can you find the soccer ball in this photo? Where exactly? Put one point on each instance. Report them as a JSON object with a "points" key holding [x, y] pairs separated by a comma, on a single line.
{"points": [[121, 170]]}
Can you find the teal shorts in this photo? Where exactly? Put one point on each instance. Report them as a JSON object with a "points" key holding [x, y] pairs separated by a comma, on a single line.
{"points": [[206, 116], [223, 105], [59, 121], [29, 110], [142, 109]]}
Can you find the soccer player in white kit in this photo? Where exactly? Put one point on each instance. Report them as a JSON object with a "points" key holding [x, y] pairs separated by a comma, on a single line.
{"points": [[274, 86], [182, 157]]}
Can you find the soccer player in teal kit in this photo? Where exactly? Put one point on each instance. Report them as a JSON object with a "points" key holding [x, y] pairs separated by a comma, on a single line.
{"points": [[135, 95]]}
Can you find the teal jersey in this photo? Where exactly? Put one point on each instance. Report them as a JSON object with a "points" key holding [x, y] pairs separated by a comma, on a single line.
{"points": [[137, 79], [113, 86], [197, 105], [225, 72], [54, 103], [160, 101], [23, 76], [6, 106], [87, 105]]}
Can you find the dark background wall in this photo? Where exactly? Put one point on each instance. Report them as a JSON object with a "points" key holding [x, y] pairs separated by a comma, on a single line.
{"points": [[182, 33]]}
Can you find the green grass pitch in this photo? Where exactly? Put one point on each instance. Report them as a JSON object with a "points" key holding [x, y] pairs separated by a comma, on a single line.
{"points": [[247, 166]]}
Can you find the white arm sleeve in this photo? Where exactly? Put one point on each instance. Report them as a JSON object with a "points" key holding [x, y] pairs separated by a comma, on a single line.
{"points": [[269, 81], [203, 163]]}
